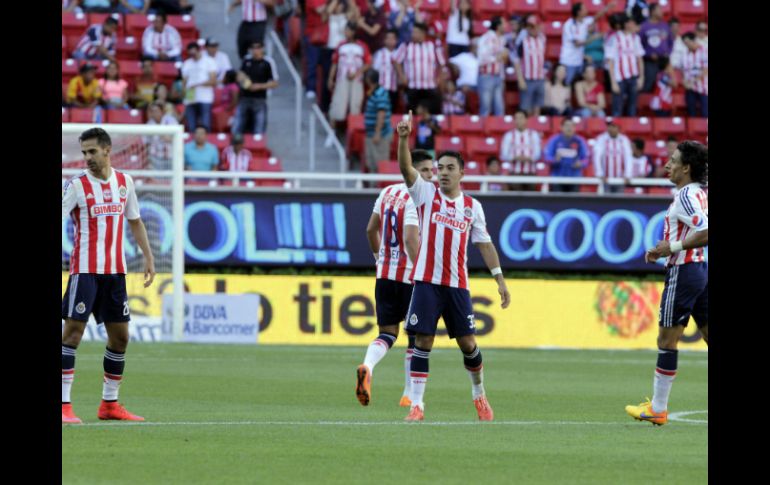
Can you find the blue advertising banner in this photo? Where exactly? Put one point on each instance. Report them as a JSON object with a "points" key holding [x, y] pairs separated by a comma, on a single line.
{"points": [[328, 230]]}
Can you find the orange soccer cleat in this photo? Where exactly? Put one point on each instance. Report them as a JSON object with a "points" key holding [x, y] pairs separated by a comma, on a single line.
{"points": [[363, 384], [68, 415], [483, 408], [415, 414], [113, 410], [405, 402]]}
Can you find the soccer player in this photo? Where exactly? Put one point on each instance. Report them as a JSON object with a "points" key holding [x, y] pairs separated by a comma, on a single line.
{"points": [[393, 235], [685, 234], [97, 201], [448, 219]]}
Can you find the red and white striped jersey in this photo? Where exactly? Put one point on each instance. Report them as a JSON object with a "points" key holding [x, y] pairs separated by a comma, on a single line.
{"points": [[688, 213], [168, 41], [383, 63], [445, 225], [517, 144], [97, 208], [489, 48], [253, 11], [419, 62], [640, 166], [396, 210], [694, 65], [625, 51], [663, 95], [612, 156], [93, 39], [531, 57], [350, 57], [235, 162]]}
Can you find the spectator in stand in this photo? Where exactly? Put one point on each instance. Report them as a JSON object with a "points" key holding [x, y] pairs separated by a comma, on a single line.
{"points": [[640, 164], [161, 42], [253, 23], [379, 132], [114, 89], [404, 19], [662, 100], [593, 51], [336, 16], [495, 168], [200, 77], [567, 154], [98, 42], [612, 156], [492, 58], [235, 158], [626, 68], [199, 154], [255, 77], [144, 85], [372, 24], [590, 95], [383, 63], [658, 167], [574, 37], [176, 93], [657, 42], [702, 34], [160, 97], [427, 128], [558, 95], [695, 72], [231, 90], [159, 147], [350, 61], [315, 35], [134, 6], [453, 99], [416, 63], [83, 90], [221, 59], [678, 50], [639, 10], [467, 65], [458, 31], [530, 67], [97, 6], [521, 148]]}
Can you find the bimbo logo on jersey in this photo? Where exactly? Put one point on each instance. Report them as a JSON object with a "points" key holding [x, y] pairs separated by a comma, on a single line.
{"points": [[450, 222], [100, 210]]}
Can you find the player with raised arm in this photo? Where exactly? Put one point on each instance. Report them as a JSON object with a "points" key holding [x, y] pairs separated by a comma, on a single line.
{"points": [[685, 234], [393, 235], [448, 220], [97, 201]]}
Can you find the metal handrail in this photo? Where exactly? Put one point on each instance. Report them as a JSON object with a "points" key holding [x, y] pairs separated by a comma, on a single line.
{"points": [[276, 41], [337, 145]]}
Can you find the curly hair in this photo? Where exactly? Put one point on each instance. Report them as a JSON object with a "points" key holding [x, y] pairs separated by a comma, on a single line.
{"points": [[696, 155]]}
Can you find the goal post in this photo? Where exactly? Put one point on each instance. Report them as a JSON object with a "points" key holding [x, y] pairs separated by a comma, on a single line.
{"points": [[154, 156]]}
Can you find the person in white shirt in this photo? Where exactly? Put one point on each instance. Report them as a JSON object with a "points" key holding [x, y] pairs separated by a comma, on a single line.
{"points": [[458, 30], [158, 146], [625, 63], [199, 76], [220, 58], [468, 68], [493, 56], [679, 49], [574, 37], [161, 42], [612, 156]]}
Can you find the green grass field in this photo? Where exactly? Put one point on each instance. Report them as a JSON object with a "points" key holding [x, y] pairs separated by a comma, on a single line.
{"points": [[279, 414]]}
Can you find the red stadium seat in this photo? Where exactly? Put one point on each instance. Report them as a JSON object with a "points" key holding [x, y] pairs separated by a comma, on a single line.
{"points": [[256, 143], [69, 69], [167, 72], [354, 138], [72, 43], [125, 116], [81, 115], [655, 149], [479, 147], [185, 24], [219, 118], [489, 8], [595, 126], [679, 103], [130, 69], [593, 6], [511, 101], [65, 115], [634, 127], [219, 140], [553, 51], [689, 10], [271, 164], [499, 125], [581, 124], [472, 167], [73, 23], [666, 8], [128, 48], [553, 30], [136, 23], [661, 191], [539, 123], [643, 104], [436, 7], [663, 127], [388, 167], [64, 51], [466, 124], [698, 128], [449, 142], [480, 27], [522, 7], [555, 9], [99, 18]]}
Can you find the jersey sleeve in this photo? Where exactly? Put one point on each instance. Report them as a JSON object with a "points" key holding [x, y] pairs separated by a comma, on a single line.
{"points": [[421, 191], [479, 233], [69, 199], [378, 203], [132, 204], [694, 211], [410, 214]]}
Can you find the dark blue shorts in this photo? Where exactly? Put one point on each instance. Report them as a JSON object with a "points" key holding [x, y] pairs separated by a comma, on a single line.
{"points": [[104, 295], [392, 298], [686, 293], [429, 302]]}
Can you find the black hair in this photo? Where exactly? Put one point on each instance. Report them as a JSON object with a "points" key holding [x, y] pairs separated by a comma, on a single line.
{"points": [[673, 20], [102, 137], [696, 155], [111, 21], [492, 158], [421, 26], [522, 112], [86, 67], [452, 154], [419, 156], [230, 77], [639, 143], [576, 8], [495, 23], [162, 16], [392, 31], [372, 75], [200, 126], [566, 119], [192, 44], [671, 138], [689, 36], [110, 64], [425, 104]]}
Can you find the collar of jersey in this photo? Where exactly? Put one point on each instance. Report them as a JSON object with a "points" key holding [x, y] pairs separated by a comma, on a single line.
{"points": [[93, 177]]}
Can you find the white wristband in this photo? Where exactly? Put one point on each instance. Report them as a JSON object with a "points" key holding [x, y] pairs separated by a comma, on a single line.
{"points": [[676, 246], [496, 271]]}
